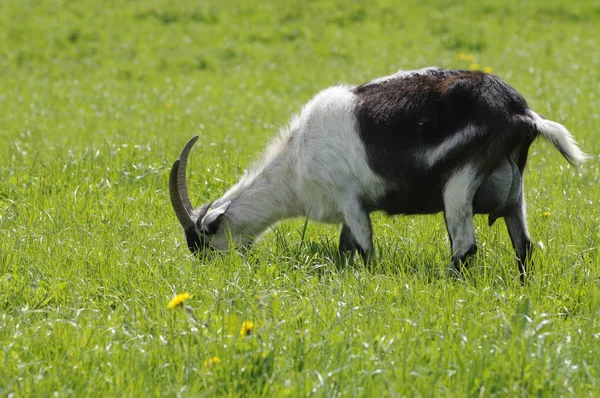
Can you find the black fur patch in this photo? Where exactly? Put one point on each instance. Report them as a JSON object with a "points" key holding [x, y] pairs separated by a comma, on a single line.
{"points": [[402, 118], [196, 241]]}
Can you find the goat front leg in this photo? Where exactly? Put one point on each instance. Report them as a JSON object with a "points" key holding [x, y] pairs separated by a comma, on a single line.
{"points": [[357, 232], [458, 213], [516, 224], [347, 242]]}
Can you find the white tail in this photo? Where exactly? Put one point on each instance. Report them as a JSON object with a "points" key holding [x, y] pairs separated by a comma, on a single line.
{"points": [[560, 137]]}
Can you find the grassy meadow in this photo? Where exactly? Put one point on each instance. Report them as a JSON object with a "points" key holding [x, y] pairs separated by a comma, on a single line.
{"points": [[97, 99]]}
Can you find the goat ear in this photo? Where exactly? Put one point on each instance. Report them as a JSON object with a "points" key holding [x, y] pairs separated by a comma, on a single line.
{"points": [[212, 219]]}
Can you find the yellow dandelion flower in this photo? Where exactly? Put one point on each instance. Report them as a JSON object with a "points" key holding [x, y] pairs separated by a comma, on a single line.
{"points": [[488, 69], [546, 214], [474, 66], [169, 106], [246, 330], [178, 300], [466, 57], [212, 361]]}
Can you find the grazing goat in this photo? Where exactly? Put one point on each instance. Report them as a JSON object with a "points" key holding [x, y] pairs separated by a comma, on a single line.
{"points": [[415, 142]]}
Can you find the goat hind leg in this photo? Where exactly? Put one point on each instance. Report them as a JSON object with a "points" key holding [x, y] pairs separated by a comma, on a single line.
{"points": [[458, 213], [516, 224], [459, 223]]}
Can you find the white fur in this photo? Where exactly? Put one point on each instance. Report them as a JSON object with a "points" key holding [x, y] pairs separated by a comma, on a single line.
{"points": [[560, 137], [213, 214], [435, 154], [317, 167], [358, 221], [458, 198]]}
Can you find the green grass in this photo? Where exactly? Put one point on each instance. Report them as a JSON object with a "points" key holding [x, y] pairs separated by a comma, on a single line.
{"points": [[97, 100]]}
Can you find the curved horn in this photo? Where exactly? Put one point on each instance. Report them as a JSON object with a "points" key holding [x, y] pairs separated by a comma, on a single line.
{"points": [[178, 188], [180, 211], [181, 180]]}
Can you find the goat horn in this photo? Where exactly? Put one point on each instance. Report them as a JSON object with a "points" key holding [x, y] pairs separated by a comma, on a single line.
{"points": [[178, 188], [181, 179], [182, 214]]}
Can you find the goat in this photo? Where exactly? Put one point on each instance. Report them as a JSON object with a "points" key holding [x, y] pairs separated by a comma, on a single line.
{"points": [[415, 142]]}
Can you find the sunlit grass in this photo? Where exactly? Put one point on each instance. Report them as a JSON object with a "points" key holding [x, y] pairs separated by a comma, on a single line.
{"points": [[97, 99]]}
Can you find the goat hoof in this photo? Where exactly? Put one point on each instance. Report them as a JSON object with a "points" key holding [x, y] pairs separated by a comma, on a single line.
{"points": [[464, 260], [453, 272]]}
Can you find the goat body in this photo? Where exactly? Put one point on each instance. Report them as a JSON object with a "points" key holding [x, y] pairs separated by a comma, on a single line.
{"points": [[415, 142]]}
